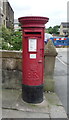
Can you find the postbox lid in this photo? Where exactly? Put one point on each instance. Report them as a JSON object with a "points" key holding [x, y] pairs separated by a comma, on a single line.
{"points": [[33, 21]]}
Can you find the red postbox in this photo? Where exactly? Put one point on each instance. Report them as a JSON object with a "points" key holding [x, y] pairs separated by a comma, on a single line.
{"points": [[33, 57]]}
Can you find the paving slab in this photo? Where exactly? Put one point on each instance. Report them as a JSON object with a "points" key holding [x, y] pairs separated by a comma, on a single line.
{"points": [[4, 113], [53, 99], [42, 107], [57, 111], [55, 106], [9, 97], [21, 114], [14, 107]]}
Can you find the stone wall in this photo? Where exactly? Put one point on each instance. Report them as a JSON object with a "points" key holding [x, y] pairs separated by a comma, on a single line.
{"points": [[12, 68]]}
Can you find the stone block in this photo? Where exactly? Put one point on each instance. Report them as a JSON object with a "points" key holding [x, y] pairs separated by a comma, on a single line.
{"points": [[11, 79], [11, 54], [49, 84], [50, 54], [9, 63], [19, 64], [49, 65]]}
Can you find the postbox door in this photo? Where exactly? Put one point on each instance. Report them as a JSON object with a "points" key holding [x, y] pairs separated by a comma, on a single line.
{"points": [[33, 53]]}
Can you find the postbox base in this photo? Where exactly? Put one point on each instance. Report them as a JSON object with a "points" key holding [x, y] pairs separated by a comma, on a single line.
{"points": [[32, 94]]}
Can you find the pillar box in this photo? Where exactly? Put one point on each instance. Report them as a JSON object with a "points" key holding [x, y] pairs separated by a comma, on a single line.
{"points": [[33, 57]]}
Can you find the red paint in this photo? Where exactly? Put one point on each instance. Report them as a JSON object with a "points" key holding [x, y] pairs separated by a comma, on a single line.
{"points": [[33, 28], [64, 38], [59, 38], [54, 38]]}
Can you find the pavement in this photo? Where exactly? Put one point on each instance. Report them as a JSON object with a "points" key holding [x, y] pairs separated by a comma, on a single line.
{"points": [[14, 107], [61, 76], [63, 55]]}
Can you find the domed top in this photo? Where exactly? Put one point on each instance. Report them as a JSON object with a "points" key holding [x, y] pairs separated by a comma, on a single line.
{"points": [[33, 21]]}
